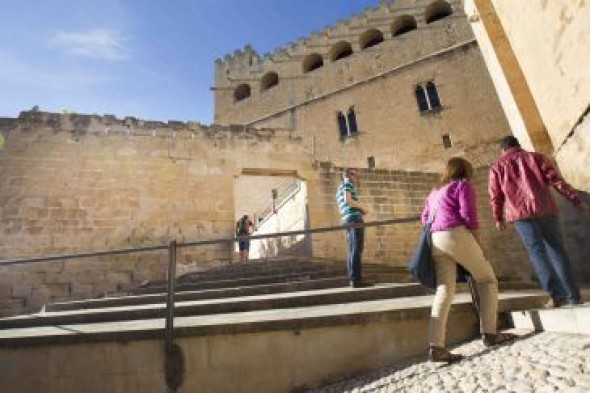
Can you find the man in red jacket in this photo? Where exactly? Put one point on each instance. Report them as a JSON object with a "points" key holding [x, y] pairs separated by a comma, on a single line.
{"points": [[519, 188]]}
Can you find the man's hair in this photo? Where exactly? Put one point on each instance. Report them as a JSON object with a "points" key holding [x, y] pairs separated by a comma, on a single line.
{"points": [[346, 172], [509, 141], [457, 168]]}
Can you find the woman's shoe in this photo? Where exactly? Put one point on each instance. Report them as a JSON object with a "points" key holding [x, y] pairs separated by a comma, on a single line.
{"points": [[439, 354], [491, 340], [555, 303]]}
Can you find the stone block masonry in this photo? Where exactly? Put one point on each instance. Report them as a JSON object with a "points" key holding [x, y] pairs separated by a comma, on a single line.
{"points": [[79, 183], [391, 194], [75, 183], [376, 87]]}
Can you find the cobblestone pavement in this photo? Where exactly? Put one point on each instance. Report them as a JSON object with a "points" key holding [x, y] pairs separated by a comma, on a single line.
{"points": [[539, 363]]}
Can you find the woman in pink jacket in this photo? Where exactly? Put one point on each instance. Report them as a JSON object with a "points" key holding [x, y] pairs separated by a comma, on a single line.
{"points": [[455, 240]]}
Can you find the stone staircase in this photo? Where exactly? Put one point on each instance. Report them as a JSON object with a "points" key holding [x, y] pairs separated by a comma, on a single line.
{"points": [[261, 326]]}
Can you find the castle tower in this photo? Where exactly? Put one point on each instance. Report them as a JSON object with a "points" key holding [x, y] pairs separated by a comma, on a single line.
{"points": [[399, 86]]}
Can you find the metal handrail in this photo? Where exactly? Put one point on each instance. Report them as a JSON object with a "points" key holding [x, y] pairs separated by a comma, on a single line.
{"points": [[205, 242], [173, 355], [81, 255], [303, 231]]}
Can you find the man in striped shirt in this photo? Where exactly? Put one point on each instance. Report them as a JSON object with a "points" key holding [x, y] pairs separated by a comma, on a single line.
{"points": [[352, 213]]}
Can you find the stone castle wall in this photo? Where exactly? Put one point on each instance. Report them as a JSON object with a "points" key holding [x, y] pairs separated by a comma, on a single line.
{"points": [[548, 41], [558, 82], [391, 194], [296, 86], [72, 183], [77, 183]]}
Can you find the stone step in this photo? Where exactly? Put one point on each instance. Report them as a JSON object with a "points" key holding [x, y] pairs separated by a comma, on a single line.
{"points": [[160, 287], [279, 267], [297, 317], [269, 350], [160, 297], [116, 312], [206, 294]]}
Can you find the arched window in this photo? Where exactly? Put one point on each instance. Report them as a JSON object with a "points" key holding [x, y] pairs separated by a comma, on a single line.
{"points": [[421, 98], [241, 92], [370, 38], [427, 97], [312, 62], [342, 125], [351, 117], [403, 25], [269, 80], [347, 123], [436, 11], [432, 95], [340, 50]]}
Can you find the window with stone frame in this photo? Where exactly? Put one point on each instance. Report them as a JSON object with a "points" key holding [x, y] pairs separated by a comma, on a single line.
{"points": [[347, 124], [427, 97]]}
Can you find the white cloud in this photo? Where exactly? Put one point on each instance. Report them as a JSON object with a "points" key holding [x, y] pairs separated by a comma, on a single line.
{"points": [[98, 43], [20, 73]]}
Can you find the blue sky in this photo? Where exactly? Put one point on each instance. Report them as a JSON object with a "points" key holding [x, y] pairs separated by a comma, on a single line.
{"points": [[151, 59]]}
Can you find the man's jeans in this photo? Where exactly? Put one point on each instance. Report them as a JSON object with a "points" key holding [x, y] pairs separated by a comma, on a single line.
{"points": [[544, 242], [356, 241]]}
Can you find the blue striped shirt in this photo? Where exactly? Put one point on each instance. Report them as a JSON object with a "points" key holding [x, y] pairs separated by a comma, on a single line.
{"points": [[346, 210]]}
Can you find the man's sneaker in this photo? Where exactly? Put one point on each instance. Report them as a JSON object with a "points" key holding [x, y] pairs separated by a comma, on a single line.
{"points": [[576, 302], [360, 284], [491, 340], [439, 354], [555, 303]]}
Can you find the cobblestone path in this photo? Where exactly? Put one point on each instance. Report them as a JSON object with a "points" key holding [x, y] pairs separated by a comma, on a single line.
{"points": [[539, 363]]}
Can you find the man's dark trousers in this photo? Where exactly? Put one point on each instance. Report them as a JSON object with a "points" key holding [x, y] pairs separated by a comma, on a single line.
{"points": [[544, 242], [356, 241]]}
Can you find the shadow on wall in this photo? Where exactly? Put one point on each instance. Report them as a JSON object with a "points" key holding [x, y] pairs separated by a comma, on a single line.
{"points": [[576, 232], [288, 246]]}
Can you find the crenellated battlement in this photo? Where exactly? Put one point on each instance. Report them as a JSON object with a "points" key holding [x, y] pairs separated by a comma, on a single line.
{"points": [[85, 124], [241, 57], [378, 16], [249, 86]]}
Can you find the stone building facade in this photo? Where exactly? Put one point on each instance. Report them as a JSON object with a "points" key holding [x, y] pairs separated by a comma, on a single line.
{"points": [[400, 86], [81, 183]]}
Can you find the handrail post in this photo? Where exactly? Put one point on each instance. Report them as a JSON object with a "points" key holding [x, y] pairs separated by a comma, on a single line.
{"points": [[173, 357], [169, 328]]}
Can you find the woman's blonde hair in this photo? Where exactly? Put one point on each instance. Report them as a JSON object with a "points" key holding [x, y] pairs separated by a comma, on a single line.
{"points": [[457, 168]]}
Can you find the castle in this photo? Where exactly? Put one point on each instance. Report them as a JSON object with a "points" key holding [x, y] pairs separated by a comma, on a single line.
{"points": [[400, 86], [395, 91]]}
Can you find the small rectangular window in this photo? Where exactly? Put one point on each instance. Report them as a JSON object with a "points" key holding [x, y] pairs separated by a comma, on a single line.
{"points": [[371, 162], [447, 142]]}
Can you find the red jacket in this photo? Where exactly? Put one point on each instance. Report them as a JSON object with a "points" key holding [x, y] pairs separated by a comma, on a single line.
{"points": [[519, 186]]}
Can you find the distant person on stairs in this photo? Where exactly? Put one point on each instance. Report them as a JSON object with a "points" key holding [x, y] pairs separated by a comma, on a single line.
{"points": [[520, 190], [453, 212], [352, 213], [244, 227]]}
